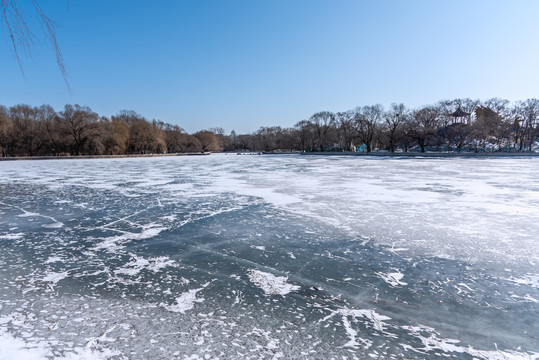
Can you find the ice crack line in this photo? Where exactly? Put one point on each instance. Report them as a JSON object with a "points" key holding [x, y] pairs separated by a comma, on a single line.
{"points": [[56, 224]]}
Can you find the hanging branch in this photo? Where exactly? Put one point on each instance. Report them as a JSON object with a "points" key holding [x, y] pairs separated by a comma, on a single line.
{"points": [[21, 36]]}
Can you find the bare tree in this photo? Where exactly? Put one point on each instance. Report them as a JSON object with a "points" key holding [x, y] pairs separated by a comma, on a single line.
{"points": [[79, 124], [173, 138], [27, 129], [189, 143], [208, 140], [305, 135], [6, 130], [425, 122], [143, 138], [526, 114], [490, 128], [56, 140], [344, 121], [323, 122], [366, 122], [112, 137], [394, 119]]}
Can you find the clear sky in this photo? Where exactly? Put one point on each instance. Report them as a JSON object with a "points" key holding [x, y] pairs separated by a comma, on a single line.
{"points": [[245, 64]]}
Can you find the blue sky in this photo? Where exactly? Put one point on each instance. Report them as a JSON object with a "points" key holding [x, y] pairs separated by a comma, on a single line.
{"points": [[245, 64]]}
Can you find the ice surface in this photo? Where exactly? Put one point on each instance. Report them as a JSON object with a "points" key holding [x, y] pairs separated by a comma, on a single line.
{"points": [[264, 257]]}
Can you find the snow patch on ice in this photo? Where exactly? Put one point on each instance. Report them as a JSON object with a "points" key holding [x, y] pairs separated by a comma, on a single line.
{"points": [[271, 284], [393, 279], [139, 263], [352, 334], [186, 301], [150, 232], [526, 298], [15, 348], [376, 319], [54, 277], [529, 279], [55, 225], [169, 218], [53, 259], [432, 341], [114, 243], [16, 236]]}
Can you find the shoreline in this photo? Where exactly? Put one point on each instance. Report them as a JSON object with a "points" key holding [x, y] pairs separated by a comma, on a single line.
{"points": [[373, 154], [426, 154], [76, 157]]}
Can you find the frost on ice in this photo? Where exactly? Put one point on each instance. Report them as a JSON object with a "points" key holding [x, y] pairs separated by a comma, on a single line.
{"points": [[186, 301], [393, 279], [271, 284], [447, 248]]}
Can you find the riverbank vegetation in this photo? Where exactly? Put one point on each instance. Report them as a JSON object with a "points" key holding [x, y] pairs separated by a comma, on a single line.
{"points": [[450, 125]]}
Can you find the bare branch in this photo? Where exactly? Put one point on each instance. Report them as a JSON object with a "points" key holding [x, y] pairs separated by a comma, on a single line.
{"points": [[21, 36]]}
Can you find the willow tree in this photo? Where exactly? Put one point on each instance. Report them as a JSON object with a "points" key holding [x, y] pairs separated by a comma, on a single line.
{"points": [[20, 29], [6, 129], [367, 120]]}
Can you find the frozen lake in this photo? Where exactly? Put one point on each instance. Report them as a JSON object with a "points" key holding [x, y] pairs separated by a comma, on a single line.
{"points": [[267, 257]]}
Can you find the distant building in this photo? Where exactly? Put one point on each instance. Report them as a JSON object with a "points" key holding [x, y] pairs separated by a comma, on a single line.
{"points": [[460, 117], [361, 148]]}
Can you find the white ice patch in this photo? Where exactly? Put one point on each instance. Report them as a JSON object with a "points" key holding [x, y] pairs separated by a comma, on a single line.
{"points": [[242, 187], [529, 279], [526, 298], [28, 214], [169, 218], [376, 319], [272, 342], [16, 236], [393, 279], [15, 348], [139, 263], [352, 334], [114, 243], [150, 232], [53, 259], [271, 284], [54, 277], [55, 225], [186, 301], [432, 341]]}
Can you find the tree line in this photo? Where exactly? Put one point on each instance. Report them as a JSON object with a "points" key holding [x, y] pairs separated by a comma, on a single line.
{"points": [[77, 130], [449, 125]]}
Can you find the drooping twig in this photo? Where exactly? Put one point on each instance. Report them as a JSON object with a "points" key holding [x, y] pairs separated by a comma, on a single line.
{"points": [[22, 37]]}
